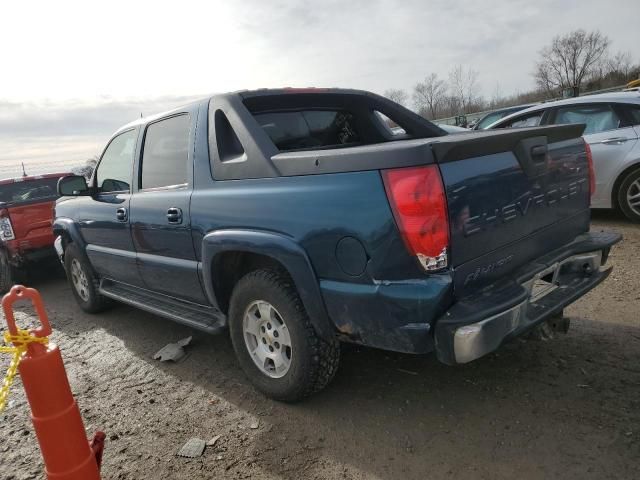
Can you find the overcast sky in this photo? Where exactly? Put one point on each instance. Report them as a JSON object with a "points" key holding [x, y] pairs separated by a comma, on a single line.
{"points": [[71, 72]]}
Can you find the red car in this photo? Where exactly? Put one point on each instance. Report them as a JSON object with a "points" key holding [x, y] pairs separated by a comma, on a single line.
{"points": [[26, 213]]}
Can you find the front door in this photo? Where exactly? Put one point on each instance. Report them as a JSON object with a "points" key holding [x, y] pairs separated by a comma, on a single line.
{"points": [[160, 221], [104, 216]]}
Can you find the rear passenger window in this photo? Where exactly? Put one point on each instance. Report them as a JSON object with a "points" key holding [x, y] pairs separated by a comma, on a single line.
{"points": [[309, 128], [166, 153], [634, 113], [597, 118]]}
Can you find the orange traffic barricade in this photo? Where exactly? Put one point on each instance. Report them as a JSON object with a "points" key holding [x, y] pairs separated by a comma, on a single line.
{"points": [[56, 418]]}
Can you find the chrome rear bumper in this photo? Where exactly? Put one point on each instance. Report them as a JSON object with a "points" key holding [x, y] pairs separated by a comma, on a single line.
{"points": [[477, 339], [480, 322]]}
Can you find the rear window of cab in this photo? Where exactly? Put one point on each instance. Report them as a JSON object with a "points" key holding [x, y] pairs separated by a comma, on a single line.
{"points": [[302, 129], [29, 190]]}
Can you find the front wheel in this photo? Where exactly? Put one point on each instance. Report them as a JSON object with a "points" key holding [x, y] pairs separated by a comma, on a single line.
{"points": [[274, 340], [83, 282], [629, 196]]}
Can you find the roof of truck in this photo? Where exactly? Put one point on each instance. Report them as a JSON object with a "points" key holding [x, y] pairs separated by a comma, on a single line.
{"points": [[245, 94]]}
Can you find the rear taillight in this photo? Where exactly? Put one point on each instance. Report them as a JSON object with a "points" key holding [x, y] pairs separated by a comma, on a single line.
{"points": [[592, 173], [419, 206], [6, 229]]}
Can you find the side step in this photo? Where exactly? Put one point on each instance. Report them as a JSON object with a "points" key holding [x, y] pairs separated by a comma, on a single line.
{"points": [[201, 317]]}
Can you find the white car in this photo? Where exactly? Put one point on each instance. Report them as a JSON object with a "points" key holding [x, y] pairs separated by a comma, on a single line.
{"points": [[612, 131], [453, 128]]}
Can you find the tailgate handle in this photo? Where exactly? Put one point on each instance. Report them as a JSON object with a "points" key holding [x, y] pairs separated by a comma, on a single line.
{"points": [[539, 152]]}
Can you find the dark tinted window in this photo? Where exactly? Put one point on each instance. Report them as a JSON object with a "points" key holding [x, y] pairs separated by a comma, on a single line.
{"points": [[597, 118], [113, 174], [490, 118], [309, 128], [528, 120], [634, 113], [229, 146], [165, 154], [24, 191], [495, 116]]}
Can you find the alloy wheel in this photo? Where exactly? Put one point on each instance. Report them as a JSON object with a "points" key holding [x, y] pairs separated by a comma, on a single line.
{"points": [[267, 339]]}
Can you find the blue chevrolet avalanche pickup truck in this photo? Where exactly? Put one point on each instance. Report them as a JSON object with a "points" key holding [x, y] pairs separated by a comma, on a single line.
{"points": [[300, 218]]}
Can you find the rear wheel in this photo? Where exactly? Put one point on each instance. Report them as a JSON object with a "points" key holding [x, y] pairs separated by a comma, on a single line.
{"points": [[83, 281], [629, 195], [6, 275], [274, 340]]}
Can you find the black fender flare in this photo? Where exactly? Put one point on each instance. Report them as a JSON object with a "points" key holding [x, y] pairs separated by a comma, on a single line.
{"points": [[66, 226], [281, 248]]}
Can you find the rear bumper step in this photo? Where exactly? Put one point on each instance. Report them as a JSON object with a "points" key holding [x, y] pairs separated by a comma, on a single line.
{"points": [[480, 323]]}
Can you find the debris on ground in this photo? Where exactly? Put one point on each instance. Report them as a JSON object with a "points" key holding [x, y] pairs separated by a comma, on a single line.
{"points": [[193, 448], [213, 441], [354, 429], [255, 425], [173, 351]]}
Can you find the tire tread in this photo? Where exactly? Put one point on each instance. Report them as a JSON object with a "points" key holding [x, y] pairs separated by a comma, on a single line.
{"points": [[324, 355]]}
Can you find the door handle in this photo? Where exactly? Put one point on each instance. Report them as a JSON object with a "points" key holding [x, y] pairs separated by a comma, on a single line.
{"points": [[614, 141], [174, 215], [121, 214], [539, 153]]}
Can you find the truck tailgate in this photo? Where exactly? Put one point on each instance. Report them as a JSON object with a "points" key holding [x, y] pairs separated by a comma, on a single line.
{"points": [[32, 220], [512, 196]]}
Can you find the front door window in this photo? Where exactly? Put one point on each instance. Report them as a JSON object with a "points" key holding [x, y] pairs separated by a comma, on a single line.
{"points": [[113, 173]]}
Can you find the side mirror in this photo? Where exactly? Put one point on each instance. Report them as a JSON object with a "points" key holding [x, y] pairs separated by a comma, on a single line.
{"points": [[72, 186]]}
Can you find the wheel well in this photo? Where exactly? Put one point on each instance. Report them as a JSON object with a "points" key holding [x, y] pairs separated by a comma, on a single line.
{"points": [[619, 180], [61, 232], [229, 267]]}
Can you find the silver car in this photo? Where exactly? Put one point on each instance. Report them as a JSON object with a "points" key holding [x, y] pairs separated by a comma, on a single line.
{"points": [[612, 130]]}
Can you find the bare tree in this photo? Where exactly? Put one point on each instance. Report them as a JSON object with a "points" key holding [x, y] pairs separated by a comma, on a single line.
{"points": [[570, 59], [496, 97], [397, 95], [86, 170], [620, 63], [452, 106], [463, 85], [429, 95]]}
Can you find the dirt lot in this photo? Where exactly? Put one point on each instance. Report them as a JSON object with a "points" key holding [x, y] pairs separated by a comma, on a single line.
{"points": [[566, 408]]}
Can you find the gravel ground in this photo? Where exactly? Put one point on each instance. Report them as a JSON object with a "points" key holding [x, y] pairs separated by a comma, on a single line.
{"points": [[565, 408]]}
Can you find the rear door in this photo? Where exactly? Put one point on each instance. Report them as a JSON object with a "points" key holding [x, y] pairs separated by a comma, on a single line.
{"points": [[609, 135], [160, 220], [633, 115], [103, 218]]}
